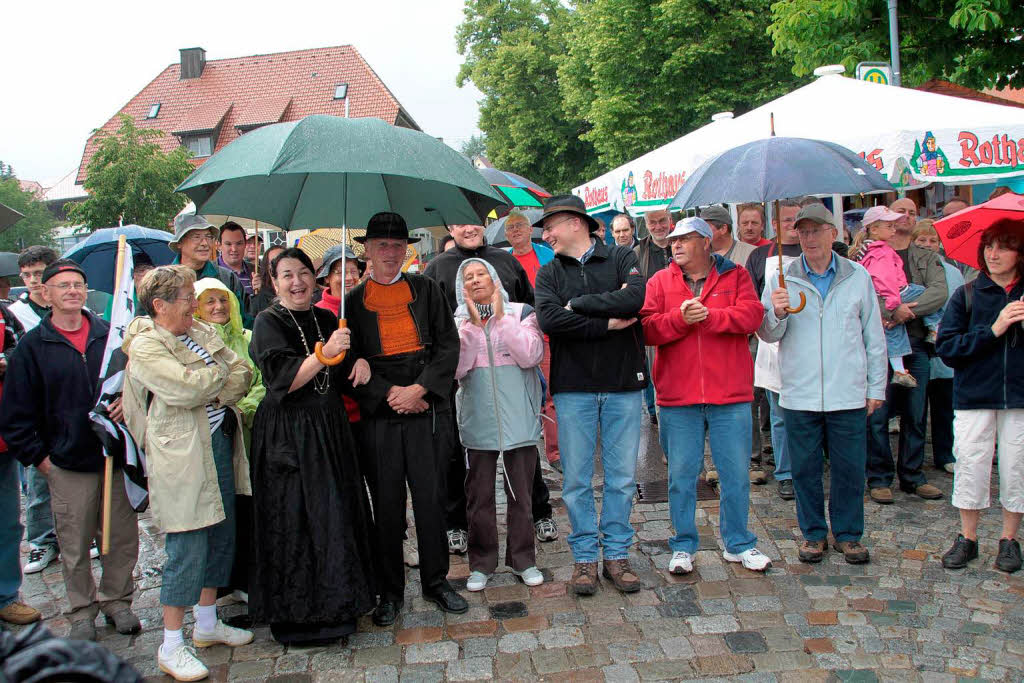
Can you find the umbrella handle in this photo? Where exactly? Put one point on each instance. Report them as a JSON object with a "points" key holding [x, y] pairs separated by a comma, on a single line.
{"points": [[319, 349], [803, 302]]}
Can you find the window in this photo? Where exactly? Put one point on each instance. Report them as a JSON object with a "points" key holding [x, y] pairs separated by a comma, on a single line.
{"points": [[199, 145], [154, 109], [340, 91]]}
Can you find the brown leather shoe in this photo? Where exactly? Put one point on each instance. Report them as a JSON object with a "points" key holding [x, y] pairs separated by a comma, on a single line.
{"points": [[584, 578], [853, 551], [882, 495], [758, 477], [621, 574], [19, 613], [928, 492], [812, 551]]}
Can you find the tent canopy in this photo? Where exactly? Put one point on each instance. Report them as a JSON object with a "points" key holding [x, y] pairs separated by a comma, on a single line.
{"points": [[910, 136]]}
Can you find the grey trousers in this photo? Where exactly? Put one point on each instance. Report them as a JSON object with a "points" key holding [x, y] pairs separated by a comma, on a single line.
{"points": [[39, 530]]}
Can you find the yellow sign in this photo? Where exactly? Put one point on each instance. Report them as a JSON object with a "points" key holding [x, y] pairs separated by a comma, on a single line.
{"points": [[876, 76]]}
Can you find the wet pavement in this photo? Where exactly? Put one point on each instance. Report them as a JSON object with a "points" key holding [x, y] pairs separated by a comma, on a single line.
{"points": [[900, 618]]}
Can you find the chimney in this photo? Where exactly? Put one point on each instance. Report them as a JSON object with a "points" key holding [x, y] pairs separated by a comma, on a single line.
{"points": [[193, 59]]}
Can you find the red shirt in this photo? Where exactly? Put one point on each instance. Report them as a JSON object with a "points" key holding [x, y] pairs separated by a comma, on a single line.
{"points": [[79, 337], [333, 304], [530, 263], [764, 241]]}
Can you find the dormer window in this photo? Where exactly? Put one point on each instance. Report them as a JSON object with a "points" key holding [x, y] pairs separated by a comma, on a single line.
{"points": [[340, 91], [199, 145], [154, 109]]}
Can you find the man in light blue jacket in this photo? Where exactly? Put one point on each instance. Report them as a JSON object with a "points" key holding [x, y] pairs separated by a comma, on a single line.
{"points": [[832, 357]]}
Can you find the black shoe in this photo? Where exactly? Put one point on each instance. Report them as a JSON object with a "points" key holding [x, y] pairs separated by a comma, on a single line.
{"points": [[654, 419], [786, 489], [1008, 559], [386, 612], [448, 600], [963, 551]]}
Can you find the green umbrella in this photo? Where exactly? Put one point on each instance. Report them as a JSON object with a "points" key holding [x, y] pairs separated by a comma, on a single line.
{"points": [[326, 171]]}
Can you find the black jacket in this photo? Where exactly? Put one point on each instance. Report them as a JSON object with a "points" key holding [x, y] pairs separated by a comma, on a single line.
{"points": [[433, 367], [49, 391], [585, 356], [444, 267], [988, 370]]}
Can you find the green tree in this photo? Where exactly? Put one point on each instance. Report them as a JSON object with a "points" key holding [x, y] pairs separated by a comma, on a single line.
{"points": [[510, 48], [475, 146], [645, 73], [37, 225], [130, 180], [975, 43]]}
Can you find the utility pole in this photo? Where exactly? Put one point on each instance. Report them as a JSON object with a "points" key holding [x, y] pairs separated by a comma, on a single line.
{"points": [[894, 43]]}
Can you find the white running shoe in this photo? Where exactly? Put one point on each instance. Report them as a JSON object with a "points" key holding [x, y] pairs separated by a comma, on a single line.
{"points": [[182, 664], [531, 576], [39, 558], [681, 563], [477, 582], [222, 634], [752, 559], [458, 541]]}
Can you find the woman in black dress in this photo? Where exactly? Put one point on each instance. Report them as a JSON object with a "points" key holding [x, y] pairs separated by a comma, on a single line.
{"points": [[313, 577]]}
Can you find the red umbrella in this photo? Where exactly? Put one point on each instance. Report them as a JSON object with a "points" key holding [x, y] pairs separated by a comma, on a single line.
{"points": [[961, 232]]}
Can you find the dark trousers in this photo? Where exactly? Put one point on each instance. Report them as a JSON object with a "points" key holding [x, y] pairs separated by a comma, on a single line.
{"points": [[845, 431], [413, 449], [910, 406], [940, 406], [520, 464]]}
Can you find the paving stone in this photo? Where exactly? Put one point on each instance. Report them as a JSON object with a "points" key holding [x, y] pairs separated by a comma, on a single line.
{"points": [[676, 648], [634, 652], [479, 647], [518, 642], [422, 673], [664, 670], [360, 640], [328, 661], [251, 670], [508, 610], [470, 669], [561, 636], [548, 662], [513, 667], [745, 642], [530, 623], [620, 673], [423, 653], [381, 674], [716, 624], [722, 665], [376, 656], [410, 636], [759, 603], [286, 664]]}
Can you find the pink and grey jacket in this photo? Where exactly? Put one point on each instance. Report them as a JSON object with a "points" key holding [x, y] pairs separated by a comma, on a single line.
{"points": [[886, 269]]}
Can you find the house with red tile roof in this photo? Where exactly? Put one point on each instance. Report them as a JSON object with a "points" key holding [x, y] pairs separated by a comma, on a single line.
{"points": [[204, 105]]}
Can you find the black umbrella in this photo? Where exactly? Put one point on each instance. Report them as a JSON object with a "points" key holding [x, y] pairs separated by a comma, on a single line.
{"points": [[9, 264]]}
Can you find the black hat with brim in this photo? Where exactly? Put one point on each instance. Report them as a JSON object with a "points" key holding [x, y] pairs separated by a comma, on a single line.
{"points": [[566, 203], [386, 225]]}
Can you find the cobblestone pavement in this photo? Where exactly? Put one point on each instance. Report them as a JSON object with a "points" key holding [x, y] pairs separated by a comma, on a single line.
{"points": [[901, 617]]}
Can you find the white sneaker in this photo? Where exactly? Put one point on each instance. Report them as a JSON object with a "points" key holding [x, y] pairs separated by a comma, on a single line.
{"points": [[94, 550], [39, 558], [182, 664], [752, 559], [477, 581], [410, 553], [222, 635], [531, 576], [681, 563]]}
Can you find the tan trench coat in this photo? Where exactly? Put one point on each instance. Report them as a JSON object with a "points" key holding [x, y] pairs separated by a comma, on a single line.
{"points": [[174, 431]]}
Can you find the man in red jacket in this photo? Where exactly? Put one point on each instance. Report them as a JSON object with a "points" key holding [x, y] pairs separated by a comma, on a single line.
{"points": [[697, 313]]}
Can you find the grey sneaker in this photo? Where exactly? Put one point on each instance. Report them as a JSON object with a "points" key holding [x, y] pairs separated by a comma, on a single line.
{"points": [[458, 541], [546, 530]]}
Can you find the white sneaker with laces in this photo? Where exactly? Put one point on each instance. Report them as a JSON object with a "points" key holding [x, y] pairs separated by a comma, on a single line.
{"points": [[752, 559], [681, 563], [477, 582], [458, 541], [531, 576], [39, 558], [94, 550], [222, 635], [182, 664]]}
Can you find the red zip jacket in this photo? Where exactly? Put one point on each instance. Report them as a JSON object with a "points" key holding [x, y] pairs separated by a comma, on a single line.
{"points": [[708, 362]]}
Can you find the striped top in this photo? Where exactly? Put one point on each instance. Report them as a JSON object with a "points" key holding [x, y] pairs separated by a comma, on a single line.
{"points": [[214, 415]]}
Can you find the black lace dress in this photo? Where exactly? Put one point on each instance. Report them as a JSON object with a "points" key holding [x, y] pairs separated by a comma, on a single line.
{"points": [[312, 576]]}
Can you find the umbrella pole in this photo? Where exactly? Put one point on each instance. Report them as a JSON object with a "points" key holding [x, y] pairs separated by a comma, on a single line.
{"points": [[108, 465], [319, 348], [782, 277], [256, 266]]}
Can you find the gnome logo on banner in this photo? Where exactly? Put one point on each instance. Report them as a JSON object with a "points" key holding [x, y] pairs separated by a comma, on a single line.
{"points": [[629, 194], [928, 158]]}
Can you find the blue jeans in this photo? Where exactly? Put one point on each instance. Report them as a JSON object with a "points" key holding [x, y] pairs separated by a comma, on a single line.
{"points": [[783, 469], [682, 430], [38, 515], [845, 431], [10, 530], [911, 405], [618, 415]]}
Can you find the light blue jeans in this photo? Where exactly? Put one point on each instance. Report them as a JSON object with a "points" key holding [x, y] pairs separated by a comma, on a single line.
{"points": [[682, 430], [38, 514], [783, 468], [10, 530], [618, 415]]}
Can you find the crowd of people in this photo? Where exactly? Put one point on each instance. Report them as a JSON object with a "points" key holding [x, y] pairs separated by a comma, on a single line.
{"points": [[288, 410]]}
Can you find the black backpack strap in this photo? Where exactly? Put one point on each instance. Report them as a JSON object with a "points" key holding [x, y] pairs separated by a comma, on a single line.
{"points": [[968, 298]]}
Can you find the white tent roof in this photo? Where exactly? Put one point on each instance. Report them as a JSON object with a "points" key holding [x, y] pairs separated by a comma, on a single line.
{"points": [[973, 141]]}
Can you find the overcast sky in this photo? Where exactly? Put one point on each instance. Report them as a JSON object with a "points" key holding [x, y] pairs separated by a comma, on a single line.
{"points": [[70, 66]]}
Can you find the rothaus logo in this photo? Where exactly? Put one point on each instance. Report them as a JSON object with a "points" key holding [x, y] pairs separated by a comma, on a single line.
{"points": [[1001, 150]]}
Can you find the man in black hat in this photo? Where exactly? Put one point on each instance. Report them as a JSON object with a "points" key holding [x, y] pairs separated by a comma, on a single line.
{"points": [[588, 298], [470, 243], [402, 325], [44, 418]]}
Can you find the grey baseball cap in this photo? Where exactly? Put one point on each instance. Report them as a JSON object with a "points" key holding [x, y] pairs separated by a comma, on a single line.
{"points": [[718, 214], [186, 223], [816, 213]]}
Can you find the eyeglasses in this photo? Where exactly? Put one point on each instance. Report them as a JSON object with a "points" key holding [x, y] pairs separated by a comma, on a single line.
{"points": [[552, 224], [198, 236], [74, 286], [811, 232], [31, 274], [191, 299]]}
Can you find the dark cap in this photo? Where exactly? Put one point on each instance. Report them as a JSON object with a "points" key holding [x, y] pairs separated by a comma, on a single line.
{"points": [[386, 225], [566, 203], [816, 213], [717, 214], [63, 265]]}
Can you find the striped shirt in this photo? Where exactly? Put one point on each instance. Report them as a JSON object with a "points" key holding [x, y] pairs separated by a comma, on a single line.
{"points": [[214, 415]]}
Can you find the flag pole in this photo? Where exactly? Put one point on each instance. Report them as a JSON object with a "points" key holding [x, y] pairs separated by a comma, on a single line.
{"points": [[108, 467]]}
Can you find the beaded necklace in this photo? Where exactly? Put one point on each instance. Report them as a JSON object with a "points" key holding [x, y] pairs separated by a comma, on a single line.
{"points": [[322, 379]]}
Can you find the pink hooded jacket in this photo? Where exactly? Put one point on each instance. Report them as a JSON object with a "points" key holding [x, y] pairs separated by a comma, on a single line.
{"points": [[886, 269]]}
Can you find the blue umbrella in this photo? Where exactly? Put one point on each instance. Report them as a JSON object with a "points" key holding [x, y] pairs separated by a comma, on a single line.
{"points": [[495, 232], [97, 254]]}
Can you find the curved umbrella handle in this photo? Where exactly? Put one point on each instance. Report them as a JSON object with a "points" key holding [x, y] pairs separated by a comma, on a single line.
{"points": [[803, 302], [319, 349]]}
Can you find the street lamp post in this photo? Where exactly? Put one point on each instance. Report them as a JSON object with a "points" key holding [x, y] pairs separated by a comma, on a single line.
{"points": [[894, 42]]}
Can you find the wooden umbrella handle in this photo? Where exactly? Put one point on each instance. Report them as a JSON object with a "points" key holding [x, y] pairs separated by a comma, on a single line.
{"points": [[319, 349], [778, 243]]}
